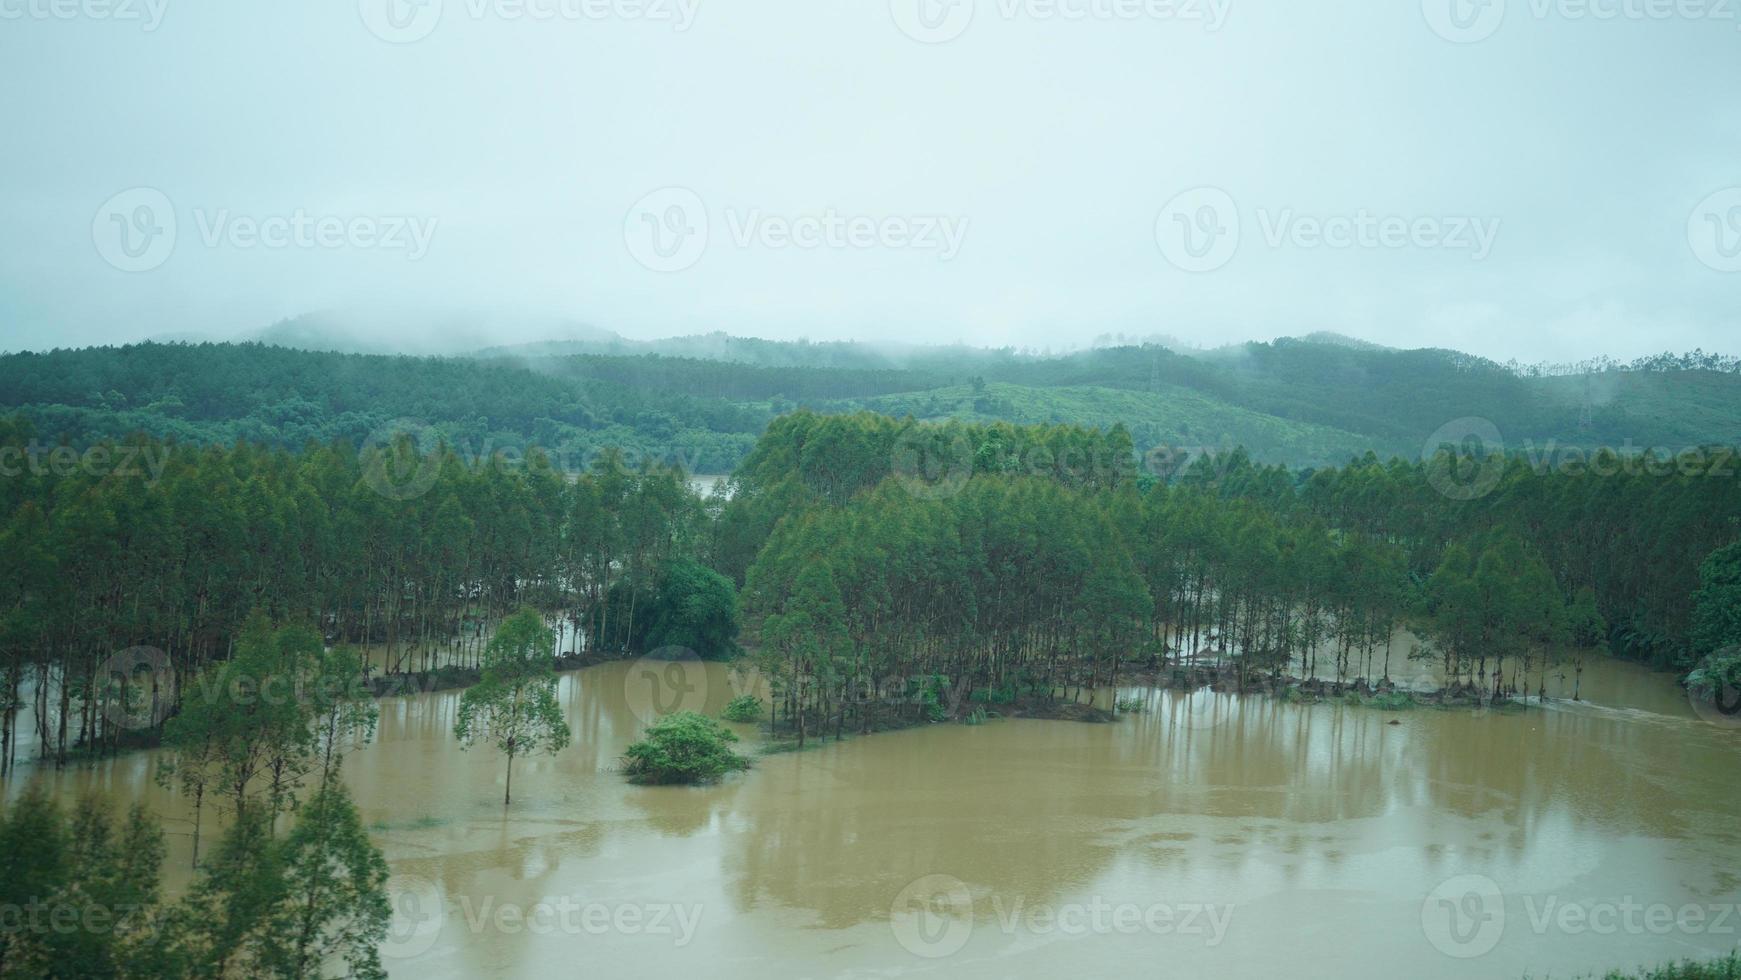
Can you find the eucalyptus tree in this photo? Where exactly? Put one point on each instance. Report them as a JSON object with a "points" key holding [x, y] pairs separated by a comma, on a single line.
{"points": [[513, 706]]}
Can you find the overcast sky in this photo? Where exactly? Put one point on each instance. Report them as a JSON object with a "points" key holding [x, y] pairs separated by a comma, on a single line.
{"points": [[1520, 179]]}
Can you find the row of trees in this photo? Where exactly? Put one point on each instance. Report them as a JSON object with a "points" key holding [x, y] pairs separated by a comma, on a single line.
{"points": [[1633, 532], [870, 579], [1668, 361], [414, 550]]}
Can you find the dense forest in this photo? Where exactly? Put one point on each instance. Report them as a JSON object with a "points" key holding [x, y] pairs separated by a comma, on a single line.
{"points": [[101, 561], [702, 403], [1019, 560], [988, 557], [875, 571]]}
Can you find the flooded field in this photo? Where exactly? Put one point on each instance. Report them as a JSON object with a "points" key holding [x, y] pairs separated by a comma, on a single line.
{"points": [[1208, 835]]}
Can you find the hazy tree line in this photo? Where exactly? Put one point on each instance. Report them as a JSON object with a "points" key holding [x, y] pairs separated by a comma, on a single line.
{"points": [[1668, 361], [99, 561], [1290, 573]]}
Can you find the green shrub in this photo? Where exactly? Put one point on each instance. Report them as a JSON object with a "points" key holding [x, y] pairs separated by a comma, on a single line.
{"points": [[1131, 706], [683, 748], [744, 707], [1391, 701]]}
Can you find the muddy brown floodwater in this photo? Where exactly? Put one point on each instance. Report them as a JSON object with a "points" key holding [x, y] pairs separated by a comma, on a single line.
{"points": [[1207, 836]]}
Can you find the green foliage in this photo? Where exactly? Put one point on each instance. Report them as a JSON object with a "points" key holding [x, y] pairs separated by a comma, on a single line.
{"points": [[744, 708], [294, 908], [1387, 701], [1717, 603], [82, 870], [1131, 706], [246, 726], [335, 907], [705, 399], [694, 607], [1493, 602], [514, 706], [174, 547], [684, 747], [225, 923]]}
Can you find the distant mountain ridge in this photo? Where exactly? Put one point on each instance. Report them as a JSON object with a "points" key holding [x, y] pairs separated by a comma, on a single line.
{"points": [[702, 400]]}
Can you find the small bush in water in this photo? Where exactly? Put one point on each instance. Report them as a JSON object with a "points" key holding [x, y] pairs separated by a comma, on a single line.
{"points": [[744, 707], [1131, 706], [683, 748]]}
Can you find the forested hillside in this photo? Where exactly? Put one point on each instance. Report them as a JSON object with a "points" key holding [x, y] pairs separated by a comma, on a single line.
{"points": [[702, 402]]}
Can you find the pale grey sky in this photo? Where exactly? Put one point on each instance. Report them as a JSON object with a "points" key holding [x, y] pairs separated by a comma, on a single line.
{"points": [[1518, 178]]}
